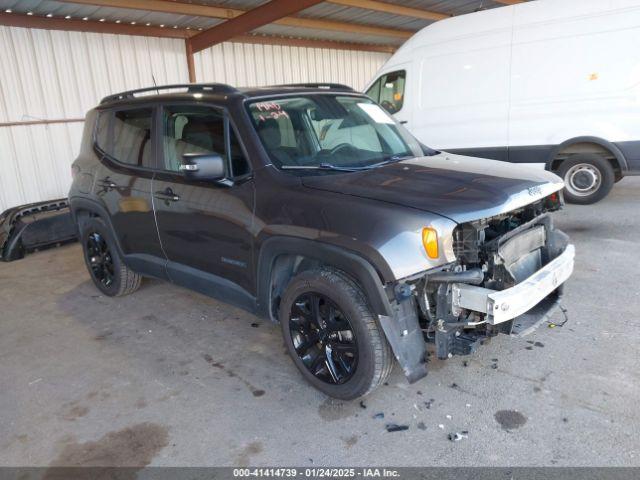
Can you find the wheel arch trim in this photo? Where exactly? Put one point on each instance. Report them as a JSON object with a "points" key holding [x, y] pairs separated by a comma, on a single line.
{"points": [[352, 264], [612, 147], [77, 204]]}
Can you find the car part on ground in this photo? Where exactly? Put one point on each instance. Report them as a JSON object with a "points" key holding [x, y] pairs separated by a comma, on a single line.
{"points": [[35, 226]]}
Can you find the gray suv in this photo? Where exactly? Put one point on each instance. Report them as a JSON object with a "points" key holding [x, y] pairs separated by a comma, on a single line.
{"points": [[310, 206]]}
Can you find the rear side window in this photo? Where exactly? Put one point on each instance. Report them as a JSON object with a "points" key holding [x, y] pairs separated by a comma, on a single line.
{"points": [[125, 136], [388, 91]]}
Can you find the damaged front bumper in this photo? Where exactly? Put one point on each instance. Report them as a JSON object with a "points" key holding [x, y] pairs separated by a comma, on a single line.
{"points": [[35, 226], [503, 305], [505, 281]]}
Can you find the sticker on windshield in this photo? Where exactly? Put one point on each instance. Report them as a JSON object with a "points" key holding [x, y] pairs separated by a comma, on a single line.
{"points": [[267, 110], [375, 112]]}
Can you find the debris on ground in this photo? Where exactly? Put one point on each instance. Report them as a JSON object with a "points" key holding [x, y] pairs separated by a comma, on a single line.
{"points": [[494, 366], [429, 403], [419, 392], [394, 427], [362, 405], [378, 416], [454, 385], [448, 417], [465, 363], [255, 324], [441, 427], [421, 426], [468, 405], [457, 436]]}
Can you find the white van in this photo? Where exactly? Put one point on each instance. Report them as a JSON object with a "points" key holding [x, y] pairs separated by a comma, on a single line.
{"points": [[549, 82]]}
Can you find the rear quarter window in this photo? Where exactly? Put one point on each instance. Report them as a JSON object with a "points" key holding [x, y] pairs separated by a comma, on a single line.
{"points": [[125, 136]]}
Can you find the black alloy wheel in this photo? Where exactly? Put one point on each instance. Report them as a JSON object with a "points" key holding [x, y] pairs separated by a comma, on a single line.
{"points": [[323, 338], [100, 259]]}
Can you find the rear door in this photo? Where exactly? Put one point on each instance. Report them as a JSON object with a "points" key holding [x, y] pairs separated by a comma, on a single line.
{"points": [[205, 227], [125, 142]]}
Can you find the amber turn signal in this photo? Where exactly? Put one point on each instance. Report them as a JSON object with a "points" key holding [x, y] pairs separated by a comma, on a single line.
{"points": [[430, 242]]}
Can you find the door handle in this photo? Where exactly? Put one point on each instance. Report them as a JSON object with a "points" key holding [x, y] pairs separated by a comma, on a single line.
{"points": [[403, 122], [167, 195]]}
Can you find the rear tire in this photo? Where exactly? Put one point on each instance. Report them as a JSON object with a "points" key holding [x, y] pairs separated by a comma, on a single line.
{"points": [[369, 361], [588, 178], [107, 270]]}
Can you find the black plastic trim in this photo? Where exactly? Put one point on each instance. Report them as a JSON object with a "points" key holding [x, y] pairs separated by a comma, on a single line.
{"points": [[350, 263]]}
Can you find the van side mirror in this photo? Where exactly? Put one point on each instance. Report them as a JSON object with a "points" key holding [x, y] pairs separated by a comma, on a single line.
{"points": [[203, 166]]}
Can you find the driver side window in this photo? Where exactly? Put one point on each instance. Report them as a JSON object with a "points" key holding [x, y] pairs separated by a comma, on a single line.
{"points": [[191, 129], [388, 91], [199, 129]]}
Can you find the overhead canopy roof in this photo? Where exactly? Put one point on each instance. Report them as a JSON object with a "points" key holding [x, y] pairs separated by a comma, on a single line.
{"points": [[356, 24]]}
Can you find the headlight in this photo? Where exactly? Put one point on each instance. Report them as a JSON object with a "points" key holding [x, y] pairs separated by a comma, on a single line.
{"points": [[430, 242]]}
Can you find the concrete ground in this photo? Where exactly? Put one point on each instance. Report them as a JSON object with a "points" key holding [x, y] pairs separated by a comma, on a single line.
{"points": [[170, 377]]}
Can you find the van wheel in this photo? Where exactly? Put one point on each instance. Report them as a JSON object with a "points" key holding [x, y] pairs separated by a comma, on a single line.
{"points": [[107, 270], [588, 178], [333, 336]]}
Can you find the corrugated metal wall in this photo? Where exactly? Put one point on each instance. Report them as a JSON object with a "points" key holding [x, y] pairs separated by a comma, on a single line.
{"points": [[60, 75], [244, 64]]}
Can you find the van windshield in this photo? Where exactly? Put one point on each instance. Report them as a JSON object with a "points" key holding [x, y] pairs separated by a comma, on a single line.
{"points": [[330, 132]]}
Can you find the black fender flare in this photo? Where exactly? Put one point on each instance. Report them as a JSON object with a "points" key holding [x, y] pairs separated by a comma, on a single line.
{"points": [[352, 264], [612, 147], [90, 205]]}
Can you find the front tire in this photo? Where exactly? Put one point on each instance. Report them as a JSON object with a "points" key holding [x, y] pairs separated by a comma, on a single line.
{"points": [[588, 178], [107, 270], [333, 336]]}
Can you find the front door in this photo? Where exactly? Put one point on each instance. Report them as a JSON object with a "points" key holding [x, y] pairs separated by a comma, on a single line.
{"points": [[205, 227]]}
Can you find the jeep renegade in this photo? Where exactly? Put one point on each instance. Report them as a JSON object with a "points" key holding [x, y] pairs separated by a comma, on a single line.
{"points": [[310, 206]]}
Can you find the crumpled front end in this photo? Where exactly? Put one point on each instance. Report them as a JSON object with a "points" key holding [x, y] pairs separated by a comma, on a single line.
{"points": [[507, 277]]}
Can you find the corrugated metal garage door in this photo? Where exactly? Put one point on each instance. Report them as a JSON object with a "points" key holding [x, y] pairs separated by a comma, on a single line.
{"points": [[54, 75]]}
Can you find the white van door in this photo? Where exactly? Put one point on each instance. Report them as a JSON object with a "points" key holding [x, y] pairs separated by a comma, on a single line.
{"points": [[389, 91]]}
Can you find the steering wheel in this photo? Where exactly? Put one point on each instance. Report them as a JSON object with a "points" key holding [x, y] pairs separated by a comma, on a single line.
{"points": [[388, 106], [340, 146]]}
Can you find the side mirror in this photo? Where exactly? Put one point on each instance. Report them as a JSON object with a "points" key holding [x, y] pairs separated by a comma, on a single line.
{"points": [[203, 166]]}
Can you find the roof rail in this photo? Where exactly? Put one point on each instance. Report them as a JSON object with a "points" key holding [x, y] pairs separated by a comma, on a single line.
{"points": [[328, 86], [190, 87]]}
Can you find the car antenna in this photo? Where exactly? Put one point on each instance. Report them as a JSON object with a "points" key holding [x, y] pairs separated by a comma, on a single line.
{"points": [[155, 84]]}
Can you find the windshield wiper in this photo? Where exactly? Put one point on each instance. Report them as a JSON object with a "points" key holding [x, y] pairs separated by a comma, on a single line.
{"points": [[391, 159], [322, 166], [329, 166]]}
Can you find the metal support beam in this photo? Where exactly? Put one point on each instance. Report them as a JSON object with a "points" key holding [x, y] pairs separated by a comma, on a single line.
{"points": [[302, 42], [191, 68], [180, 8], [259, 16], [32, 21], [391, 8]]}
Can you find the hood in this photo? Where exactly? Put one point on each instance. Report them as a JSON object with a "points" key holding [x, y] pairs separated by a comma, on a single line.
{"points": [[454, 186]]}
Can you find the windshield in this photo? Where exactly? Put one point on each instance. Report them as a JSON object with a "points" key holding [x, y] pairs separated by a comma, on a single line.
{"points": [[338, 132]]}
